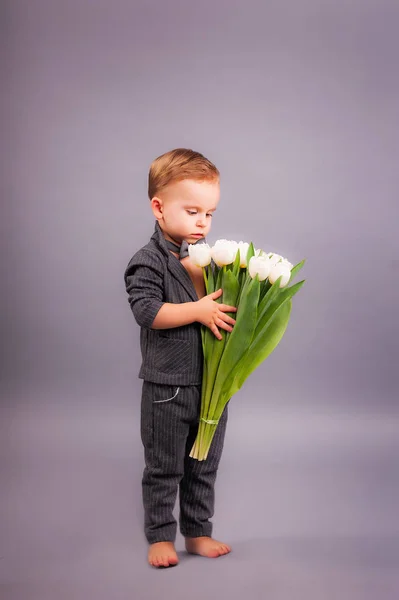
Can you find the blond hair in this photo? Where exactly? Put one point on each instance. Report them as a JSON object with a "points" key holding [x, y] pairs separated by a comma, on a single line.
{"points": [[176, 165]]}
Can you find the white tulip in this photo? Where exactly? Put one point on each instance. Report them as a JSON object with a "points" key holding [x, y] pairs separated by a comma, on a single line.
{"points": [[243, 248], [285, 261], [224, 252], [259, 265], [274, 258], [277, 270], [200, 254]]}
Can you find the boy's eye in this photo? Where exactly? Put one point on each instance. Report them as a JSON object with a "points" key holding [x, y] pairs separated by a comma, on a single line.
{"points": [[193, 212]]}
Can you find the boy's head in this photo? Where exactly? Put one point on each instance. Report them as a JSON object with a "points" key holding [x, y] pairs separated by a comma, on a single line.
{"points": [[184, 190]]}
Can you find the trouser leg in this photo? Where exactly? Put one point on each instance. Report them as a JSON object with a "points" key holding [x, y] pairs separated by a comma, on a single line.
{"points": [[166, 414], [197, 486]]}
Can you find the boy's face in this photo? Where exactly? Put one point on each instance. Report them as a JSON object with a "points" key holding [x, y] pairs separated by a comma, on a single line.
{"points": [[184, 209]]}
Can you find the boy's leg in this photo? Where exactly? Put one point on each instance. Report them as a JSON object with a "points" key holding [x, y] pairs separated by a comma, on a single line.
{"points": [[197, 495], [166, 412]]}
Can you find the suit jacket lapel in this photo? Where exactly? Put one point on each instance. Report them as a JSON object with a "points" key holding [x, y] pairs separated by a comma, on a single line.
{"points": [[176, 268], [174, 265]]}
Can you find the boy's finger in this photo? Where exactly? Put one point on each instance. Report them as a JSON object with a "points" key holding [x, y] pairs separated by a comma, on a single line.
{"points": [[215, 330], [223, 324], [227, 308], [216, 294], [227, 319]]}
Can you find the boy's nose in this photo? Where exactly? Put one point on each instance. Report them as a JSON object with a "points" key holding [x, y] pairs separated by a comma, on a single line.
{"points": [[201, 221]]}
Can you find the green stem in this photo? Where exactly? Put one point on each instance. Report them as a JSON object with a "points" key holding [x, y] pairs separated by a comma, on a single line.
{"points": [[203, 441], [205, 278]]}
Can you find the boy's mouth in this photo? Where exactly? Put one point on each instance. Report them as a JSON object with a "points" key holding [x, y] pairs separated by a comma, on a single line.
{"points": [[199, 235]]}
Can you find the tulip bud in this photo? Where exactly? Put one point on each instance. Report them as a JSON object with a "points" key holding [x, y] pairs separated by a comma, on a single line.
{"points": [[243, 248], [277, 270], [259, 265], [200, 254], [224, 252]]}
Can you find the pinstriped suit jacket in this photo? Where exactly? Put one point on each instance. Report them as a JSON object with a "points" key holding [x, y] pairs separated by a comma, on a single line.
{"points": [[154, 276]]}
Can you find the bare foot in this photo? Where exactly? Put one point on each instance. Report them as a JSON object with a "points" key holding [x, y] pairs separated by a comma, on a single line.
{"points": [[162, 554], [206, 546]]}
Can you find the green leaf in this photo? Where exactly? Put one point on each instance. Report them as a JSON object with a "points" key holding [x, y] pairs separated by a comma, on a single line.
{"points": [[236, 264], [250, 253], [215, 272], [239, 339], [244, 279], [214, 348], [207, 336], [272, 301], [295, 269], [264, 288], [268, 333], [218, 281], [210, 284], [261, 347], [268, 298]]}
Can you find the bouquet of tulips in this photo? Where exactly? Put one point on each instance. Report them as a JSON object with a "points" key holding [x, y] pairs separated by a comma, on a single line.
{"points": [[256, 283]]}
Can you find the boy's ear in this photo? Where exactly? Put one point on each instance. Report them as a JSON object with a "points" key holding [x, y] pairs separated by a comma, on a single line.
{"points": [[157, 207]]}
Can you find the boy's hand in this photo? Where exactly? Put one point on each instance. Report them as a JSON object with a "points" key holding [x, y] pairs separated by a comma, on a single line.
{"points": [[212, 314]]}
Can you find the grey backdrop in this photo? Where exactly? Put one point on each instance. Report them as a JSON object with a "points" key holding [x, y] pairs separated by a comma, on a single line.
{"points": [[297, 104]]}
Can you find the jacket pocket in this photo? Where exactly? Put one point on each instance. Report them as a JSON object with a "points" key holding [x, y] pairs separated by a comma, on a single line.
{"points": [[172, 356]]}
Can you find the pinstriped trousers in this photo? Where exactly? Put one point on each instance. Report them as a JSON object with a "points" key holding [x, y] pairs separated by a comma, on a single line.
{"points": [[169, 425]]}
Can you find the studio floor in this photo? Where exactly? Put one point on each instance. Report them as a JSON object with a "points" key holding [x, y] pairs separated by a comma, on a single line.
{"points": [[308, 501]]}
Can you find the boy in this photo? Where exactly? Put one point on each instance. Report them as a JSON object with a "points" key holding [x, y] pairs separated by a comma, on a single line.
{"points": [[168, 299]]}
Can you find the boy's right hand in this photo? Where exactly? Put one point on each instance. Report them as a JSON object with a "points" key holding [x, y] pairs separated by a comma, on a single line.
{"points": [[212, 314]]}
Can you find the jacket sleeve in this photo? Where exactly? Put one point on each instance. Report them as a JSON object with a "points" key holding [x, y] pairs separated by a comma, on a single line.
{"points": [[144, 281]]}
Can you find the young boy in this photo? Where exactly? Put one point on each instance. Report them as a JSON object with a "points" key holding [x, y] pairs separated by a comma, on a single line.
{"points": [[168, 299]]}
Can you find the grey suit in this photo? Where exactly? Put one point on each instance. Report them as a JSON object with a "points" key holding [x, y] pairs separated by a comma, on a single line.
{"points": [[171, 368]]}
